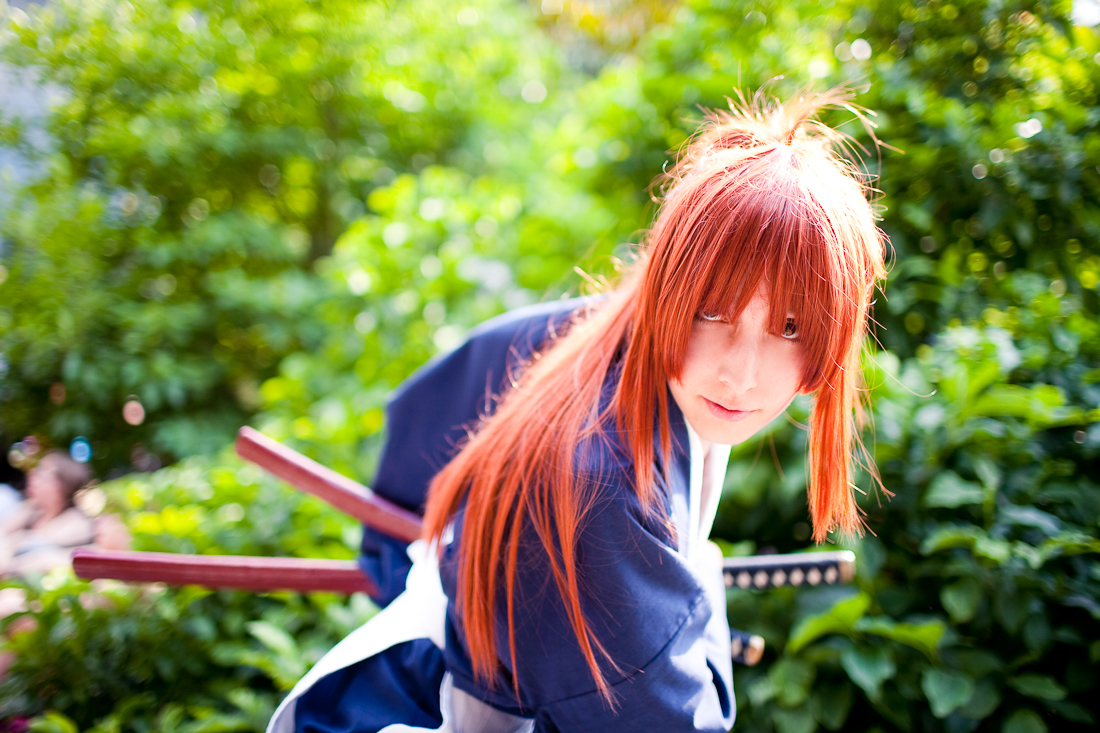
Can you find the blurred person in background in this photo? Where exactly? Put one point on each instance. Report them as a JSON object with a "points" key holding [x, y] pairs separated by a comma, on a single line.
{"points": [[39, 533]]}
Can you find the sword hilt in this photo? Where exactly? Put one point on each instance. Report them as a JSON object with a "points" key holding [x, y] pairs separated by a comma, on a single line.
{"points": [[795, 569]]}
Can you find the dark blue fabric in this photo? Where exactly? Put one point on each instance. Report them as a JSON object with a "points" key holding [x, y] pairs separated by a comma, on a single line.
{"points": [[645, 606], [400, 684], [670, 648], [428, 415]]}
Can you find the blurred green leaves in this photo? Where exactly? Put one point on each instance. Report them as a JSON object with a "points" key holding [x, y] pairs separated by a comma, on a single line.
{"points": [[841, 618], [114, 656], [204, 158]]}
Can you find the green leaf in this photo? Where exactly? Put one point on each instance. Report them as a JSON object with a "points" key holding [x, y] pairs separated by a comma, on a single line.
{"points": [[945, 690], [735, 549], [1038, 685], [53, 722], [948, 537], [792, 678], [1010, 609], [761, 690], [1042, 405], [925, 637], [1024, 721], [218, 723], [868, 668], [794, 721], [1004, 400], [961, 599], [831, 705], [949, 490], [975, 662], [274, 638], [836, 620], [1072, 711], [988, 472], [993, 549], [1029, 516], [919, 216], [1066, 544], [983, 702]]}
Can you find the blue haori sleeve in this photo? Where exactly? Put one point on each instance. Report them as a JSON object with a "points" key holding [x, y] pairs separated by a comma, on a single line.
{"points": [[660, 619], [399, 684], [428, 416]]}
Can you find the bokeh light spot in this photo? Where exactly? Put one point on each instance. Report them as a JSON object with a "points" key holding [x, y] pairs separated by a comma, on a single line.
{"points": [[533, 92], [133, 413], [80, 450], [1028, 129]]}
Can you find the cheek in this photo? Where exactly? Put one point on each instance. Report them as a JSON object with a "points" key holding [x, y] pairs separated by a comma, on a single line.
{"points": [[785, 367], [705, 352]]}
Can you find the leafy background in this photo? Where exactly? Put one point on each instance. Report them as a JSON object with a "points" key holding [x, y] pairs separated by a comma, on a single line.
{"points": [[271, 212]]}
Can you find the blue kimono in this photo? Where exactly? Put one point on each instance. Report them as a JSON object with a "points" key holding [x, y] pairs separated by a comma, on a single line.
{"points": [[659, 616]]}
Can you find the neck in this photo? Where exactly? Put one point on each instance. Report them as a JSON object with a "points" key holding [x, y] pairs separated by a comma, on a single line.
{"points": [[706, 446]]}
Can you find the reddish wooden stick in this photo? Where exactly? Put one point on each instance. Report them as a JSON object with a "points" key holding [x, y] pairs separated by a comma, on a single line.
{"points": [[350, 497], [223, 571]]}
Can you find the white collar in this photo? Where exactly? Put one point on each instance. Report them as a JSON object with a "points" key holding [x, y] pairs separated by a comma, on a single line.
{"points": [[703, 500]]}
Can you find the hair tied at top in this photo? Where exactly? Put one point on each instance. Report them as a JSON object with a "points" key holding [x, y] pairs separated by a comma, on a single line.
{"points": [[759, 124]]}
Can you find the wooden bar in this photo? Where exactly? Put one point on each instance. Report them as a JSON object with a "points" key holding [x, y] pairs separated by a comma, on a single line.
{"points": [[223, 571], [796, 569], [345, 494]]}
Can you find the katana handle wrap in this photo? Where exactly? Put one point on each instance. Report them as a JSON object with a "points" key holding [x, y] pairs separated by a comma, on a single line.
{"points": [[797, 570], [746, 649]]}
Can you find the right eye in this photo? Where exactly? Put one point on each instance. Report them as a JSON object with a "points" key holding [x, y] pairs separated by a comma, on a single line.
{"points": [[710, 316]]}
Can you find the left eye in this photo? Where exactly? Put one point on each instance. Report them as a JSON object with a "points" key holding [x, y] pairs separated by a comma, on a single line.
{"points": [[790, 329]]}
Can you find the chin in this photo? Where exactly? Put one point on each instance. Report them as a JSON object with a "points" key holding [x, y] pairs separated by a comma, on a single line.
{"points": [[725, 434]]}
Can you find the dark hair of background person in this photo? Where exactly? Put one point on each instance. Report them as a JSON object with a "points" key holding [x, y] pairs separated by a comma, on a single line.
{"points": [[70, 474]]}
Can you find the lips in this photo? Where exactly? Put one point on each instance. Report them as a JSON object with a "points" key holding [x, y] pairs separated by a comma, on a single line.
{"points": [[723, 413]]}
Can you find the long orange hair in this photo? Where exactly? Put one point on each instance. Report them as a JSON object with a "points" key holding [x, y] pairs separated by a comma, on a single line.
{"points": [[762, 193]]}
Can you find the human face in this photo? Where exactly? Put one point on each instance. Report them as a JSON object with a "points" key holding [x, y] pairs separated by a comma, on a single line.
{"points": [[737, 375], [45, 489]]}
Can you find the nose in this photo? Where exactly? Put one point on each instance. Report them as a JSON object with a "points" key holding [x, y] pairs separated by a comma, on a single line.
{"points": [[739, 369]]}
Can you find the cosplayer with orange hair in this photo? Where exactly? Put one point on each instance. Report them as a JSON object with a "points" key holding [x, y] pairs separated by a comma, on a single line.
{"points": [[565, 582]]}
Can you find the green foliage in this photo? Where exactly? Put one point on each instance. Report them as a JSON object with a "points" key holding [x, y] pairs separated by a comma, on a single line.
{"points": [[204, 157], [106, 656], [982, 586]]}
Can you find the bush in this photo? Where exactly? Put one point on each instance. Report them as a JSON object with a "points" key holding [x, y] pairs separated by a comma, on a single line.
{"points": [[202, 158], [977, 600], [107, 656]]}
